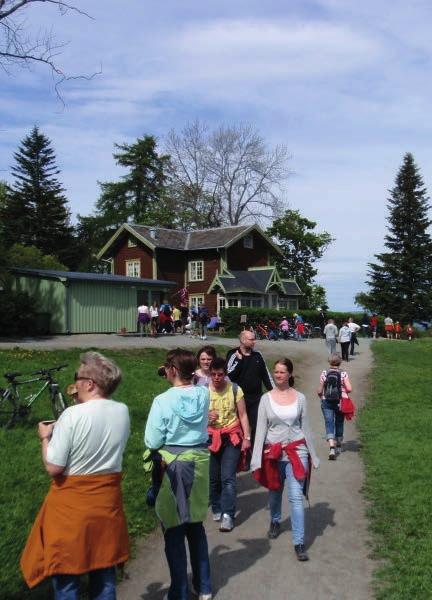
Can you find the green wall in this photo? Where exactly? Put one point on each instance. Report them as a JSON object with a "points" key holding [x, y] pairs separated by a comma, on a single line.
{"points": [[50, 297]]}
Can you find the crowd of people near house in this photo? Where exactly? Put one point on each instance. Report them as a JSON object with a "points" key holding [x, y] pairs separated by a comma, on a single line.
{"points": [[212, 422]]}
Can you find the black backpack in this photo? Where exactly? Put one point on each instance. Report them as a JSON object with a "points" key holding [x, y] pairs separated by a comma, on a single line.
{"points": [[333, 387]]}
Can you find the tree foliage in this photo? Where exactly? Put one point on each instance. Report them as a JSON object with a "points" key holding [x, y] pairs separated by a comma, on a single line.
{"points": [[36, 211], [302, 247], [30, 257], [400, 280], [226, 176]]}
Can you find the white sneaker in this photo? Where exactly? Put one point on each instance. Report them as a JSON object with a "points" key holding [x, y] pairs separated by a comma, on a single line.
{"points": [[332, 454], [217, 516], [227, 523]]}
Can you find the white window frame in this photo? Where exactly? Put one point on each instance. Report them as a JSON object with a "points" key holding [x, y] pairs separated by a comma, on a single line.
{"points": [[195, 300], [248, 241], [222, 303], [196, 270], [132, 243], [133, 265]]}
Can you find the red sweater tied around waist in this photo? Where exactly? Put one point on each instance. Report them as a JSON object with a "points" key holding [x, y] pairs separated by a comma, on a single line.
{"points": [[269, 476]]}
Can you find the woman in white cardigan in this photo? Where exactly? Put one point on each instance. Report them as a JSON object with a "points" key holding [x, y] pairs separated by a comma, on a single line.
{"points": [[283, 433]]}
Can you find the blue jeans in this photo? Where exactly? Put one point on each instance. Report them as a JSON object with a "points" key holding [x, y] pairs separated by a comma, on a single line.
{"points": [[295, 498], [223, 478], [102, 584], [333, 419], [175, 551]]}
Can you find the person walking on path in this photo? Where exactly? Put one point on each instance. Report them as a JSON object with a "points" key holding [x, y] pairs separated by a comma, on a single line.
{"points": [[354, 329], [81, 527], [230, 435], [205, 356], [143, 319], [247, 368], [345, 340], [177, 428], [330, 333], [373, 324], [389, 327], [284, 451], [334, 385]]}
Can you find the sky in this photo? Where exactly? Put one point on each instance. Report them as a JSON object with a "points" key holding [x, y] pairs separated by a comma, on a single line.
{"points": [[344, 85]]}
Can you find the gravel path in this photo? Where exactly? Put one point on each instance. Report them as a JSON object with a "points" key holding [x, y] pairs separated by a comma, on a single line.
{"points": [[245, 563]]}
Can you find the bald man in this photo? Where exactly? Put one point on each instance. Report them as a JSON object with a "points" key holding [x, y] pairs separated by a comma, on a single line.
{"points": [[247, 368]]}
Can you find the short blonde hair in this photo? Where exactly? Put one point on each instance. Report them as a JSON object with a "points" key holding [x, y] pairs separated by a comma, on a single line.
{"points": [[334, 360], [102, 370]]}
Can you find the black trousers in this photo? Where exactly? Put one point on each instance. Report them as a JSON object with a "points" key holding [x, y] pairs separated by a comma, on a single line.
{"points": [[353, 341], [252, 405], [344, 350]]}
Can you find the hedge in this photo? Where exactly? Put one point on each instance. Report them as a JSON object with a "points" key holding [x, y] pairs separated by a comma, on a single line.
{"points": [[231, 316]]}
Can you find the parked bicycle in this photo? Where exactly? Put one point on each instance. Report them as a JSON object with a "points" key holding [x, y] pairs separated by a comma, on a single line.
{"points": [[15, 407]]}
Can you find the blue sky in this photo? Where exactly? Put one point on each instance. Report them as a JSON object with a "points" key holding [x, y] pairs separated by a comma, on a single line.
{"points": [[345, 85]]}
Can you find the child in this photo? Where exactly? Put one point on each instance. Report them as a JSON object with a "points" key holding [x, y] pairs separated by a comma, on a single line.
{"points": [[398, 330], [409, 331]]}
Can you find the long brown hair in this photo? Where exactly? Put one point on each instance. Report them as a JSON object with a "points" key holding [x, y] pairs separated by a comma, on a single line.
{"points": [[290, 368]]}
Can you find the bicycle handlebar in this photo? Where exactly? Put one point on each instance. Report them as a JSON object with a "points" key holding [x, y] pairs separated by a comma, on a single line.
{"points": [[14, 374]]}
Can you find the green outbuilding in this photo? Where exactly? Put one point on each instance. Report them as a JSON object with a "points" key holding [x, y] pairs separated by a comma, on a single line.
{"points": [[69, 302]]}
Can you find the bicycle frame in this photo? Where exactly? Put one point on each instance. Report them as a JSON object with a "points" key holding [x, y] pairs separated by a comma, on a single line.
{"points": [[27, 401]]}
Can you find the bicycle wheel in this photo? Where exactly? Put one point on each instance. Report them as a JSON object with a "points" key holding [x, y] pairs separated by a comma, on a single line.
{"points": [[8, 409], [58, 404]]}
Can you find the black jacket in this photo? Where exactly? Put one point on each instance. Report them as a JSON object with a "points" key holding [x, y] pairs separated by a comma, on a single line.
{"points": [[249, 372]]}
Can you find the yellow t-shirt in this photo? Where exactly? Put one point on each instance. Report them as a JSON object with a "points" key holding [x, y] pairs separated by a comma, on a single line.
{"points": [[176, 314], [223, 403]]}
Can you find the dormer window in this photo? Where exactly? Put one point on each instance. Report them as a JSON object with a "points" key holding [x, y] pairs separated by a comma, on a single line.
{"points": [[132, 243], [248, 241]]}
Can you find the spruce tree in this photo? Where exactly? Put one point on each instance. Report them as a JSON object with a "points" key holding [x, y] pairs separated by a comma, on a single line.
{"points": [[36, 205], [401, 279]]}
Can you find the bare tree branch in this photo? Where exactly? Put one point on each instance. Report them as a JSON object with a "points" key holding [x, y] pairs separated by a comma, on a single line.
{"points": [[18, 48]]}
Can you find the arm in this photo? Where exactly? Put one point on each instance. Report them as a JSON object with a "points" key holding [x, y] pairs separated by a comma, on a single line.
{"points": [[55, 445], [234, 364], [260, 435], [347, 384], [304, 423], [241, 410], [155, 431], [265, 374]]}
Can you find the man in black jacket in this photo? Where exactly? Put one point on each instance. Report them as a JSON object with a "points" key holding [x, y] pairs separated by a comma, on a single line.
{"points": [[247, 368]]}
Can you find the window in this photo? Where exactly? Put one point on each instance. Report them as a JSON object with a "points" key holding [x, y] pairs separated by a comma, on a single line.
{"points": [[292, 304], [246, 302], [274, 300], [132, 243], [195, 301], [222, 303], [233, 302], [133, 268], [248, 241], [256, 303], [196, 270], [283, 303]]}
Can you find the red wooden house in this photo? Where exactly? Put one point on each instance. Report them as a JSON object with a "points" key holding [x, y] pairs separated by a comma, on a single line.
{"points": [[225, 266]]}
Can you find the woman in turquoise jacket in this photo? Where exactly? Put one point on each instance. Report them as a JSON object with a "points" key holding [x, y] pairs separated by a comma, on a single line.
{"points": [[177, 428]]}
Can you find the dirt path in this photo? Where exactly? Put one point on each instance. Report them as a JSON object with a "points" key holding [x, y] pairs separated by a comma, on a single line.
{"points": [[245, 563]]}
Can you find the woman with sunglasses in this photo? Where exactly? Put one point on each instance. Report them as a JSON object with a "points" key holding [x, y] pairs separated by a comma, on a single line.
{"points": [[81, 527], [177, 428]]}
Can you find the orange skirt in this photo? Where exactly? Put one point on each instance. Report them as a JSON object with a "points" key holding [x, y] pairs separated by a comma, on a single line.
{"points": [[80, 527]]}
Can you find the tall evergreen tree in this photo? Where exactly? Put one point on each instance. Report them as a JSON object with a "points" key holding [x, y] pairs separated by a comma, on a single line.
{"points": [[36, 204], [401, 279]]}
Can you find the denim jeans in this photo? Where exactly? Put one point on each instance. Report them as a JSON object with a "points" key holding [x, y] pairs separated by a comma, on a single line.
{"points": [[102, 584], [295, 498], [175, 551], [331, 345], [333, 419], [223, 477]]}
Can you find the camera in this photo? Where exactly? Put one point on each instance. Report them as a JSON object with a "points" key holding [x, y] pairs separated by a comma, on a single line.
{"points": [[161, 371]]}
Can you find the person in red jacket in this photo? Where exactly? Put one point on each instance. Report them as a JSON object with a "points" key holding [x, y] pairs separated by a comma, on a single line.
{"points": [[373, 324], [397, 330], [409, 331]]}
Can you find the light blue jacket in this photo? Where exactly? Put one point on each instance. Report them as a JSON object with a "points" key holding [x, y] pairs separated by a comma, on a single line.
{"points": [[178, 417]]}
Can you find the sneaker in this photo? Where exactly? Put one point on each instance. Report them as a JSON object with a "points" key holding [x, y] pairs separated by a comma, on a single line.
{"points": [[301, 553], [227, 523], [339, 448], [274, 530], [205, 597], [332, 454], [217, 516]]}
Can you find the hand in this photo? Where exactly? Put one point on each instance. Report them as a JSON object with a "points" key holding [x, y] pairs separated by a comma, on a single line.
{"points": [[213, 416], [239, 354], [245, 444], [45, 430]]}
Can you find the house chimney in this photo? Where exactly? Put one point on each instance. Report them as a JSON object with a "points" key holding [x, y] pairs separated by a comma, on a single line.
{"points": [[152, 232]]}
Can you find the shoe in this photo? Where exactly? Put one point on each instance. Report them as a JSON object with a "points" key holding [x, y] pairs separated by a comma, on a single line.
{"points": [[301, 553], [339, 448], [217, 516], [205, 597], [274, 530], [227, 523], [332, 454]]}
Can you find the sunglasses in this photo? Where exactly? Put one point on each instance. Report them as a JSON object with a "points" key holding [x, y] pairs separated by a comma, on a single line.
{"points": [[78, 377]]}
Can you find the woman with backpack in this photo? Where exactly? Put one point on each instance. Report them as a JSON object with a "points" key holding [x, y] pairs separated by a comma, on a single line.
{"points": [[334, 385]]}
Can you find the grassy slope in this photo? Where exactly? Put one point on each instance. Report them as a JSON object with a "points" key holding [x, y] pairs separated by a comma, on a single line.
{"points": [[23, 480], [396, 434]]}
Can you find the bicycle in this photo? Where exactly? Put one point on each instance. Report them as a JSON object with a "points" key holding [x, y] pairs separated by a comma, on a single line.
{"points": [[14, 408]]}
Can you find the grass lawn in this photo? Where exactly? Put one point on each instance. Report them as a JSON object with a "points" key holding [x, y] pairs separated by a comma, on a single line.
{"points": [[396, 428], [24, 482]]}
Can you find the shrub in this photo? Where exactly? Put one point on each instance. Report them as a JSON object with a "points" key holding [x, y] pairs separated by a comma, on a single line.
{"points": [[17, 313]]}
